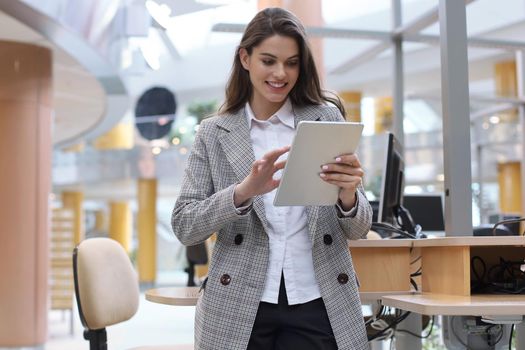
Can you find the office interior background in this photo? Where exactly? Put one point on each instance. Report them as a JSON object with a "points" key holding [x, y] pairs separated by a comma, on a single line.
{"points": [[100, 100]]}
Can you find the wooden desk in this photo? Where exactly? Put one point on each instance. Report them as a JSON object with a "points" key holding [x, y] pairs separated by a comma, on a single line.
{"points": [[384, 265], [180, 296], [188, 296], [450, 305], [383, 269]]}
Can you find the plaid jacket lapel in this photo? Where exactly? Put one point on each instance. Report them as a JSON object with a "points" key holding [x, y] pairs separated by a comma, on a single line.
{"points": [[236, 143]]}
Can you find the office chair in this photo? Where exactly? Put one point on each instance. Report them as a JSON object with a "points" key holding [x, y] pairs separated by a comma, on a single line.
{"points": [[107, 290]]}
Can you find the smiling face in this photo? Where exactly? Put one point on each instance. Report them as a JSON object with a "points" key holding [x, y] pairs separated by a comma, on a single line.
{"points": [[273, 67]]}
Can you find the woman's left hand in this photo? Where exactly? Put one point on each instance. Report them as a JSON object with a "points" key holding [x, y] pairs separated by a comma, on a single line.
{"points": [[346, 173]]}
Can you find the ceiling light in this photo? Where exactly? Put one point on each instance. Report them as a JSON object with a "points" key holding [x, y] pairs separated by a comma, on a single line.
{"points": [[494, 119]]}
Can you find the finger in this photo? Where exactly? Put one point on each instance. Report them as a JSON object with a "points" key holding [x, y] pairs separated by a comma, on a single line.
{"points": [[279, 165], [272, 156], [350, 159], [342, 168], [256, 166], [351, 185], [335, 177], [339, 177]]}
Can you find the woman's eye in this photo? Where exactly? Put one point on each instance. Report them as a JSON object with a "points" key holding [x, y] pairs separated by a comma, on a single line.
{"points": [[293, 63], [267, 62]]}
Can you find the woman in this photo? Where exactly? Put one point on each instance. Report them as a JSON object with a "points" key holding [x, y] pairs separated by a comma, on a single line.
{"points": [[279, 277]]}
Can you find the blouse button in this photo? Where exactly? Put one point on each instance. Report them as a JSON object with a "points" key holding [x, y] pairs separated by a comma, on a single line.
{"points": [[327, 239]]}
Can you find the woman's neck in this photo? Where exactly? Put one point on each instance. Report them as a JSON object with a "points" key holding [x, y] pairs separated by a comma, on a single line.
{"points": [[263, 111]]}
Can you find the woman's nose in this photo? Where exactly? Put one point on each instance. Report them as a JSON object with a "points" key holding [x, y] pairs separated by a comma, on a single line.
{"points": [[279, 71]]}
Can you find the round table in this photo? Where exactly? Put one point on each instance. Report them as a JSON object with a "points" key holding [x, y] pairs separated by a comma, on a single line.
{"points": [[180, 296]]}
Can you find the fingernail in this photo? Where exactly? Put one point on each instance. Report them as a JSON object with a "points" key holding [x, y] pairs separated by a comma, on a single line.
{"points": [[322, 174], [325, 167], [337, 159]]}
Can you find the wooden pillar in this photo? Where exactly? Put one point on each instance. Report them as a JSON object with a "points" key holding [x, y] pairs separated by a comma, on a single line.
{"points": [[383, 115], [74, 200], [119, 137], [120, 223], [506, 85], [352, 102], [147, 233], [509, 181], [25, 183]]}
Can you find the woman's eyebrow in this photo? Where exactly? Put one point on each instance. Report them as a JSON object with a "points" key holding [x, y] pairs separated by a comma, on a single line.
{"points": [[273, 56]]}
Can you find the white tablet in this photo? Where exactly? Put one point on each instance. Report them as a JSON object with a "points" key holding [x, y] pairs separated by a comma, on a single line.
{"points": [[315, 144]]}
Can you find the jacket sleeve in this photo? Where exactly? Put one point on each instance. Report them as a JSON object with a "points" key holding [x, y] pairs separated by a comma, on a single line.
{"points": [[199, 210], [357, 226]]}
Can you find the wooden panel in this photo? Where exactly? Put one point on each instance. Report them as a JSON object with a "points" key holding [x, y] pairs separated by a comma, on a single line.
{"points": [[384, 269], [446, 270]]}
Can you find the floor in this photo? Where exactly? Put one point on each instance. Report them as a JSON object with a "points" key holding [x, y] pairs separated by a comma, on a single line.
{"points": [[153, 324]]}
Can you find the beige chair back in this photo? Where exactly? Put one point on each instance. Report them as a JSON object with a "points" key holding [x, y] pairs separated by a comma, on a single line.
{"points": [[106, 283]]}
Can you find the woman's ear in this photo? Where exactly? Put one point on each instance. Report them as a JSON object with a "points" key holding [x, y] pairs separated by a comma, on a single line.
{"points": [[244, 58]]}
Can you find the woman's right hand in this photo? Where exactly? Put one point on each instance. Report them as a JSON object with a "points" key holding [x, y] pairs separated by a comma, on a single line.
{"points": [[260, 180]]}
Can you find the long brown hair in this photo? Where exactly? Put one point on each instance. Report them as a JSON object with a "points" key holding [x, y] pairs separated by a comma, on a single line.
{"points": [[307, 89]]}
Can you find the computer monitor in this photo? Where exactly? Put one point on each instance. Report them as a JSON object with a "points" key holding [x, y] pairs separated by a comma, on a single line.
{"points": [[391, 210], [426, 210]]}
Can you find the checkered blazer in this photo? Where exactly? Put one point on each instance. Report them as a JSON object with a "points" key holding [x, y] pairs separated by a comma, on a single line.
{"points": [[221, 157]]}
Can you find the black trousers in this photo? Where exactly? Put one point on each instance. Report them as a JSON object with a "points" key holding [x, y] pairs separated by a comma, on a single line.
{"points": [[283, 327]]}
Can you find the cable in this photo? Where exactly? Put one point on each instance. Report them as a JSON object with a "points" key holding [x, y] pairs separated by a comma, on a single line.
{"points": [[390, 228], [389, 326], [489, 335], [413, 283], [419, 336], [503, 222], [415, 260]]}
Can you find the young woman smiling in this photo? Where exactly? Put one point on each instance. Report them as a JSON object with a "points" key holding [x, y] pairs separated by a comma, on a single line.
{"points": [[279, 277]]}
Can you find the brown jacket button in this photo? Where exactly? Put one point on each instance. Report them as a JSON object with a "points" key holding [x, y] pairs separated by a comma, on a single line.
{"points": [[342, 278], [327, 239], [226, 279], [238, 239]]}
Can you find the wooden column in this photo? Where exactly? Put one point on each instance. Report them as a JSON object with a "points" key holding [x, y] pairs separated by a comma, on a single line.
{"points": [[119, 137], [25, 182], [509, 181], [505, 79], [352, 102], [120, 223], [383, 120], [147, 232]]}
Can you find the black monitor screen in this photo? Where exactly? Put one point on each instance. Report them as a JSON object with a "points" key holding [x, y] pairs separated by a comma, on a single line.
{"points": [[392, 182], [426, 211]]}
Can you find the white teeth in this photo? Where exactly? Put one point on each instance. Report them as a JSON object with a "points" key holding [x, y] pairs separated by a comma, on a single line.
{"points": [[276, 85]]}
